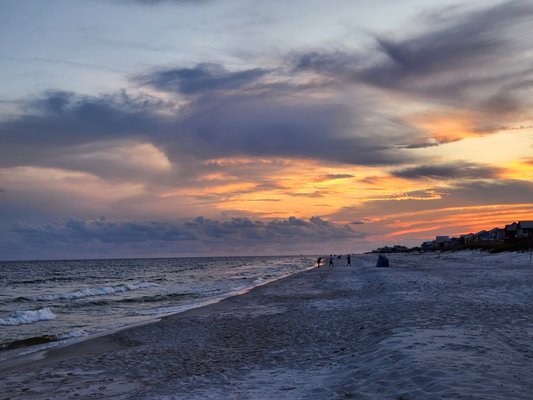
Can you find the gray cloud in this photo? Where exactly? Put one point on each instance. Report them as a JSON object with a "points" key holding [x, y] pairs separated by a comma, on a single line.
{"points": [[156, 2], [422, 194], [328, 177], [58, 125], [475, 59], [458, 170], [475, 193], [76, 231], [201, 233], [201, 78], [279, 121], [316, 193]]}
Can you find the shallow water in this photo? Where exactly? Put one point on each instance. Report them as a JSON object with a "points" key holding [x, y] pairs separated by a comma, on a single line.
{"points": [[44, 303]]}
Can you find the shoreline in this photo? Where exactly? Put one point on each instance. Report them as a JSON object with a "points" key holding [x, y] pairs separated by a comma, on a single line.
{"points": [[448, 326], [58, 350]]}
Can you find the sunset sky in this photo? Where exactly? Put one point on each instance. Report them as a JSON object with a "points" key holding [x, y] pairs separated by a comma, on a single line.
{"points": [[224, 127]]}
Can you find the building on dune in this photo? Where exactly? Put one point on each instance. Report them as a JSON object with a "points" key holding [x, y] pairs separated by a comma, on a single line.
{"points": [[510, 230], [524, 229], [481, 236], [496, 234]]}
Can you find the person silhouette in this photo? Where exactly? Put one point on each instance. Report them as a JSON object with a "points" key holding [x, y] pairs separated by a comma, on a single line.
{"points": [[348, 260], [330, 260], [318, 261]]}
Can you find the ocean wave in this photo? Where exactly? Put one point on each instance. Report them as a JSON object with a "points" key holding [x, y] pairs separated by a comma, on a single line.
{"points": [[142, 299], [28, 317], [160, 297], [70, 335], [42, 280], [96, 291]]}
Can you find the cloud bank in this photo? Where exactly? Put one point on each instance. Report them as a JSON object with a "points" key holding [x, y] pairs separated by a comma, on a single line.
{"points": [[180, 238]]}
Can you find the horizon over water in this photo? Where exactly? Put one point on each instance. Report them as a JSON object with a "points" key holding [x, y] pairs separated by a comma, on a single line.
{"points": [[51, 302], [90, 258]]}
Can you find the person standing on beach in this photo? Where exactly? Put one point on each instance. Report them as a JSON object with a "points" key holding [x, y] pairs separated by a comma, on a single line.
{"points": [[348, 260], [330, 260], [318, 261]]}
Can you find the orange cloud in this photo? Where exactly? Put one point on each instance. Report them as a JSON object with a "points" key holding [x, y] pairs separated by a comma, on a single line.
{"points": [[518, 170], [453, 221], [447, 126]]}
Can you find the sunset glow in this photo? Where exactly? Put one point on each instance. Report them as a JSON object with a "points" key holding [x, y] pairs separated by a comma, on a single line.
{"points": [[394, 127]]}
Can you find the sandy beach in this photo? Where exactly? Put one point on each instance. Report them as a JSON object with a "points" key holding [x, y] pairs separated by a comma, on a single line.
{"points": [[451, 325]]}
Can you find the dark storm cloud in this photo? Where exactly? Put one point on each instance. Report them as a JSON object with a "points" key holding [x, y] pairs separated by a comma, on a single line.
{"points": [[449, 171], [201, 78], [203, 231]]}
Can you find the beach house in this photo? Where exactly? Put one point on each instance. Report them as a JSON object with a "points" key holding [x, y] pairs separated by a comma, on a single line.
{"points": [[442, 241], [467, 238], [496, 234], [524, 229], [481, 236], [510, 230]]}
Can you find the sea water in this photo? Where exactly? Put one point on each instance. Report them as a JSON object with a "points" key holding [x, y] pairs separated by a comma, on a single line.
{"points": [[48, 303]]}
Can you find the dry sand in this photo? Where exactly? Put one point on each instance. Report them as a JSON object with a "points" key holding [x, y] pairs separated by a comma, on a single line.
{"points": [[432, 326]]}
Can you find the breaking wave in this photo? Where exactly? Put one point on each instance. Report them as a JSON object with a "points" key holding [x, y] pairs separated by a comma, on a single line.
{"points": [[96, 291], [28, 317], [70, 335]]}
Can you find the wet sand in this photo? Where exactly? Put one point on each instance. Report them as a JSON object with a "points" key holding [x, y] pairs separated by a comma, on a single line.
{"points": [[431, 326]]}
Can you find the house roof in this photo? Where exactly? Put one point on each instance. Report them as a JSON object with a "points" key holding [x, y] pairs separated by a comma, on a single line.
{"points": [[526, 224], [511, 227]]}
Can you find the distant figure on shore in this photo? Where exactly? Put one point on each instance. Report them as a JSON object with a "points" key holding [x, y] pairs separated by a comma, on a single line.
{"points": [[330, 260], [348, 260], [318, 261]]}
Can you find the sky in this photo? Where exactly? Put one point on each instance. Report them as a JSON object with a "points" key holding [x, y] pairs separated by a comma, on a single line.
{"points": [[154, 128]]}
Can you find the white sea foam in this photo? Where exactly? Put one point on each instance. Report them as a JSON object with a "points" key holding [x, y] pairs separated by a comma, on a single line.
{"points": [[70, 335], [28, 317], [96, 291]]}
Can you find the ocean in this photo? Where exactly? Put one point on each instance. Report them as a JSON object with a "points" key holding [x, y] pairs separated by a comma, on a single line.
{"points": [[48, 303]]}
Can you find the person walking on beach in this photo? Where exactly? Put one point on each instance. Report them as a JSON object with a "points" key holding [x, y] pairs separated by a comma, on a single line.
{"points": [[330, 260], [348, 260], [318, 261]]}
